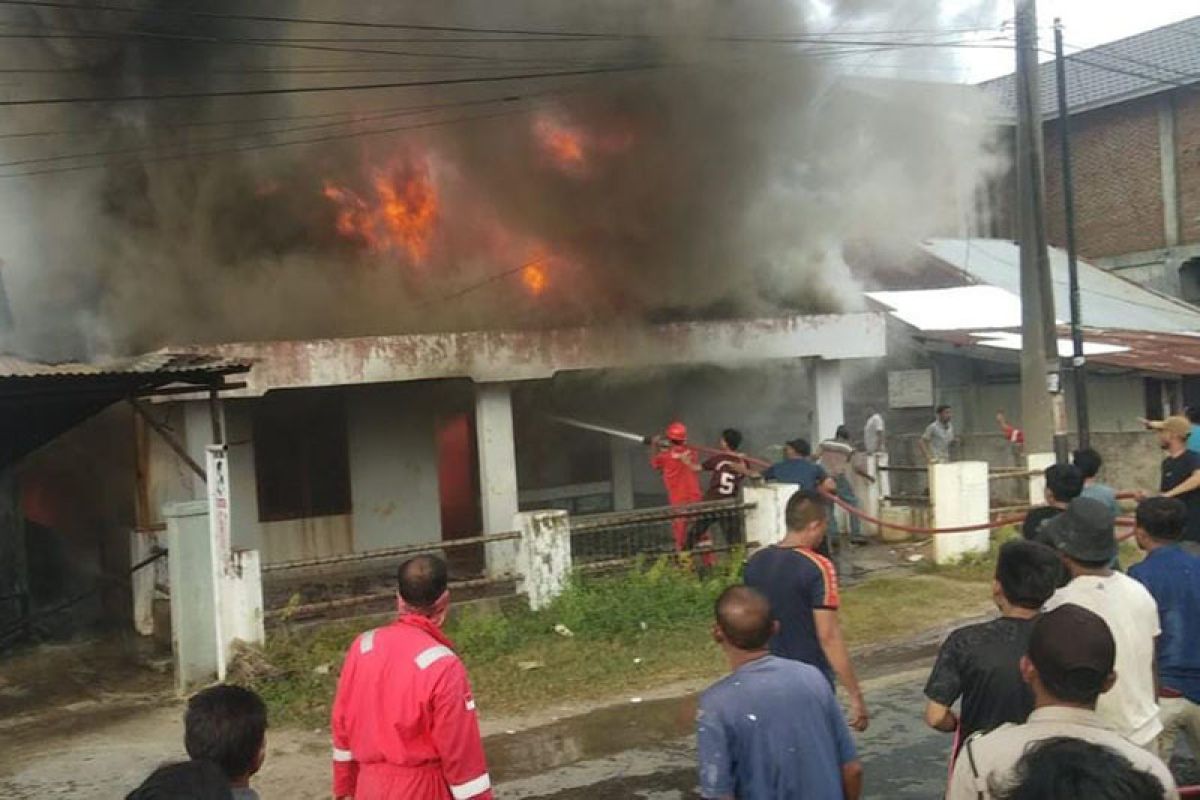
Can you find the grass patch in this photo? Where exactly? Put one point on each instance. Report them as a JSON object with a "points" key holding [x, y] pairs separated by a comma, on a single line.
{"points": [[631, 632]]}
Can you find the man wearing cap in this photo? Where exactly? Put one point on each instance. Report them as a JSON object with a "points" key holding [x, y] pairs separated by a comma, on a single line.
{"points": [[1069, 666], [678, 465], [1181, 471], [1083, 537], [798, 467]]}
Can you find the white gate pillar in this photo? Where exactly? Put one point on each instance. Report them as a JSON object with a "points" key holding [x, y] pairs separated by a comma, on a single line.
{"points": [[497, 472]]}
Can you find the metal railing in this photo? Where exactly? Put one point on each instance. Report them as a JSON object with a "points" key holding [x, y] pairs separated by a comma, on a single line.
{"points": [[624, 535]]}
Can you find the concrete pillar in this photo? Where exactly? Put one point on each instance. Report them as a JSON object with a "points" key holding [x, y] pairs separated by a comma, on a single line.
{"points": [[621, 457], [828, 407], [1037, 463], [141, 583], [766, 522], [497, 471], [958, 493], [198, 435], [1169, 174], [876, 489], [214, 602], [543, 555]]}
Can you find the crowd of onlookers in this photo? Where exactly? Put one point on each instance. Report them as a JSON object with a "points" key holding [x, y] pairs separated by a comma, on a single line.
{"points": [[1080, 688]]}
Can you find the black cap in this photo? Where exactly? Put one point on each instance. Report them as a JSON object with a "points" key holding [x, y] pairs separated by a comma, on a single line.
{"points": [[1073, 650], [1083, 532]]}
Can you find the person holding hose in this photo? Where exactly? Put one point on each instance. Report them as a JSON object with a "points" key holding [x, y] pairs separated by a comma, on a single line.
{"points": [[677, 464]]}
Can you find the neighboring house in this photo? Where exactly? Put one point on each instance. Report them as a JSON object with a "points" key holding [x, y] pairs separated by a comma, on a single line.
{"points": [[1134, 109]]}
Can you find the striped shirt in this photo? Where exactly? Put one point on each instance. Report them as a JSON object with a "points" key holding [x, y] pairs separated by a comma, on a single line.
{"points": [[797, 582]]}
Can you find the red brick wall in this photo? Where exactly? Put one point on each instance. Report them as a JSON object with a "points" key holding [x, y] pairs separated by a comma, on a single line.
{"points": [[1118, 202], [1187, 163]]}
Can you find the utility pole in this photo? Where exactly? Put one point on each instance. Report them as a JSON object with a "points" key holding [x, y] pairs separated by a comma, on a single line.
{"points": [[1078, 361], [1043, 410]]}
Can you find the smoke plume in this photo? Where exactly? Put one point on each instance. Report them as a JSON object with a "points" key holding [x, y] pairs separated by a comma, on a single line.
{"points": [[697, 165]]}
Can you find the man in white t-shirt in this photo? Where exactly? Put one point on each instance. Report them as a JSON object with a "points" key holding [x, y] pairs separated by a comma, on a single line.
{"points": [[873, 433], [1083, 536]]}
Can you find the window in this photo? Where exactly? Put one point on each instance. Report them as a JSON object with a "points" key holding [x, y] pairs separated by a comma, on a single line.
{"points": [[1162, 398], [1189, 280], [301, 458]]}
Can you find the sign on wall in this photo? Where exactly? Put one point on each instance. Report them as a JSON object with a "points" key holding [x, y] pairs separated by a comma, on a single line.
{"points": [[218, 507], [910, 388]]}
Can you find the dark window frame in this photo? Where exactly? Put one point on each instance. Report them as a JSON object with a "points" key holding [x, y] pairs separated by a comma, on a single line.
{"points": [[301, 456]]}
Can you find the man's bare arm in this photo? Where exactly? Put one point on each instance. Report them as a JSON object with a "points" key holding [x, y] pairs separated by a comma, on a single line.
{"points": [[852, 780], [829, 632], [940, 717], [1190, 485]]}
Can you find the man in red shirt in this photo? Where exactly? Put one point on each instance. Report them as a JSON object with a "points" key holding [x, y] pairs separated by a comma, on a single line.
{"points": [[404, 722], [728, 468], [678, 465]]}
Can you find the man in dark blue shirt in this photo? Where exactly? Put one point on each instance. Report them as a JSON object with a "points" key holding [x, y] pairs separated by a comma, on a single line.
{"points": [[798, 467], [1173, 578], [801, 585], [772, 729]]}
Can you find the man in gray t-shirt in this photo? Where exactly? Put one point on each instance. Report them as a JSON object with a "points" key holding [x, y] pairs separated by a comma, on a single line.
{"points": [[936, 440]]}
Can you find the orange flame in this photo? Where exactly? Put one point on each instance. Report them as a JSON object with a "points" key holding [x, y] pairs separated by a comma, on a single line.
{"points": [[534, 277], [564, 146], [401, 216]]}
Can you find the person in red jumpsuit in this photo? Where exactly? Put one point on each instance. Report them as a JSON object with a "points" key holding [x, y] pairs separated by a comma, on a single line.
{"points": [[404, 722], [679, 467]]}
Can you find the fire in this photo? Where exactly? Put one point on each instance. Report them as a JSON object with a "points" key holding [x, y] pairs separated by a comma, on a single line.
{"points": [[534, 277], [565, 147], [400, 215]]}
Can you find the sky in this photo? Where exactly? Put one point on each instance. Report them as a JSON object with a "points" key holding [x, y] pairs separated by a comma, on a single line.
{"points": [[1086, 23]]}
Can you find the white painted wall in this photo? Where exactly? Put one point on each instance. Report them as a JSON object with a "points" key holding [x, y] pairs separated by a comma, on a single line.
{"points": [[393, 466]]}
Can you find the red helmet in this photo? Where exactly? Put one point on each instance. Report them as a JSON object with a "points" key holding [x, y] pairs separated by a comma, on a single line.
{"points": [[677, 432]]}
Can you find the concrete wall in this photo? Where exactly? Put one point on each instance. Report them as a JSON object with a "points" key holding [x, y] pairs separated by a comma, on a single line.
{"points": [[393, 466]]}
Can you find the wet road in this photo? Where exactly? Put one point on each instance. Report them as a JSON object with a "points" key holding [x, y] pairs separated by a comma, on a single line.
{"points": [[647, 751]]}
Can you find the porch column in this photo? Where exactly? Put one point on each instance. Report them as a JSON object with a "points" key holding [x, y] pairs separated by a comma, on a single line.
{"points": [[828, 407], [497, 472], [622, 474]]}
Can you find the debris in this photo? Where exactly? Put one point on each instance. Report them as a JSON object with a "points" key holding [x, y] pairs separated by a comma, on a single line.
{"points": [[511, 733], [915, 557], [563, 630], [322, 669], [248, 664], [526, 666], [635, 699], [645, 627], [637, 660]]}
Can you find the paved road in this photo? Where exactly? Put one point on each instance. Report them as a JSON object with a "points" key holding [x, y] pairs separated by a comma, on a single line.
{"points": [[902, 758]]}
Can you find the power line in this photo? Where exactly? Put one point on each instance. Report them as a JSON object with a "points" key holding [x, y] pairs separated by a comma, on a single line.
{"points": [[314, 89], [267, 146]]}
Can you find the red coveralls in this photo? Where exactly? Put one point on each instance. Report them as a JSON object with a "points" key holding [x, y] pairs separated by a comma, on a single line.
{"points": [[404, 723], [682, 482]]}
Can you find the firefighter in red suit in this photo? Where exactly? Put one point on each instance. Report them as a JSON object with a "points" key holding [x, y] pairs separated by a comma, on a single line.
{"points": [[404, 723], [680, 474]]}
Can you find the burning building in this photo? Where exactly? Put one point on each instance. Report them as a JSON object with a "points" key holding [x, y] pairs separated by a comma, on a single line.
{"points": [[428, 229]]}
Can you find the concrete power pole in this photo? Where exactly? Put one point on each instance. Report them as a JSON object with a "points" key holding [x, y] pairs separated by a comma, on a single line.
{"points": [[1043, 411]]}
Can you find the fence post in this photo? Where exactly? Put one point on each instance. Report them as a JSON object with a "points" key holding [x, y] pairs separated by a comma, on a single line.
{"points": [[959, 495], [766, 522], [1037, 483], [543, 555]]}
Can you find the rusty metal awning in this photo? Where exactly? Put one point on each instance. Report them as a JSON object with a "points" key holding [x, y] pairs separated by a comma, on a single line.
{"points": [[1145, 351], [40, 401]]}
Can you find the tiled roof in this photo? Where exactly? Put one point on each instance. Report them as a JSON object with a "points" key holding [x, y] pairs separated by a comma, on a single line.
{"points": [[1136, 66], [162, 363]]}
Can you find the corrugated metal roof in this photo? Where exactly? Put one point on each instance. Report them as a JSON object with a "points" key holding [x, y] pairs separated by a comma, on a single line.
{"points": [[162, 362], [1108, 301], [1166, 353], [1139, 65]]}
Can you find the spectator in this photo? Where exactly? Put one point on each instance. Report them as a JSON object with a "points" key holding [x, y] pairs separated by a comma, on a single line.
{"points": [[404, 722], [1064, 482], [1088, 461], [938, 436], [837, 456], [187, 780], [874, 435], [798, 467], [801, 585], [1011, 433], [1181, 472], [1068, 666], [752, 743], [1192, 414], [1067, 769], [1083, 536], [981, 663], [1173, 578], [227, 725]]}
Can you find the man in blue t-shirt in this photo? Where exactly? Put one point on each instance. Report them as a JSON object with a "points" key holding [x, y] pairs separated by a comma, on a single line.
{"points": [[1173, 578], [772, 729], [798, 467], [801, 585]]}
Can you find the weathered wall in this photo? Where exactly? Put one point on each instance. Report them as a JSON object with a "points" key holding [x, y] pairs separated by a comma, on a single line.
{"points": [[393, 465], [1187, 162]]}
